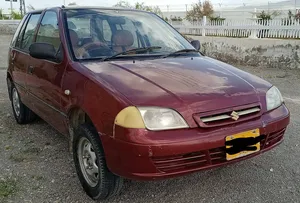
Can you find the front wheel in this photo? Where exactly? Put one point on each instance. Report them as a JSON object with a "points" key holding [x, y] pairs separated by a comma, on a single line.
{"points": [[96, 179]]}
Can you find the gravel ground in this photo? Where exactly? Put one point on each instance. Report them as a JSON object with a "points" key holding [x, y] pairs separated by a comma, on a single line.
{"points": [[36, 166]]}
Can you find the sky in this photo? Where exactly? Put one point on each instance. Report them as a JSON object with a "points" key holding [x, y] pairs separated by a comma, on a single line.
{"points": [[173, 3]]}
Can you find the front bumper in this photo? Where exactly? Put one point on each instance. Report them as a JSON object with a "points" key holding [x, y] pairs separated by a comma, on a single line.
{"points": [[145, 155]]}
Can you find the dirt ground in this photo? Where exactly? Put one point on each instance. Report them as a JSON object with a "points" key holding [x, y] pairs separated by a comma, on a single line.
{"points": [[35, 165]]}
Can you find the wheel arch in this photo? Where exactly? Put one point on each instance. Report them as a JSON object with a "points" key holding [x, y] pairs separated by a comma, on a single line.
{"points": [[76, 117]]}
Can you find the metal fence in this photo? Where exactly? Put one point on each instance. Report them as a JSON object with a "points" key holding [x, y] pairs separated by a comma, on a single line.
{"points": [[255, 28]]}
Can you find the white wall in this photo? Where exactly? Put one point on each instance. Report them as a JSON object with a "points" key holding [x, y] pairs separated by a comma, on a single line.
{"points": [[269, 53]]}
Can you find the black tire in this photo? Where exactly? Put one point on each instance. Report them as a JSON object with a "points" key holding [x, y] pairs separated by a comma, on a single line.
{"points": [[108, 184], [24, 115]]}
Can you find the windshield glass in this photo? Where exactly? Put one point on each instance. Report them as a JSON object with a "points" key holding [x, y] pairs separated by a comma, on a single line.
{"points": [[96, 33]]}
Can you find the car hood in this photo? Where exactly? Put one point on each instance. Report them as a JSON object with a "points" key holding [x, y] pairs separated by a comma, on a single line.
{"points": [[196, 84]]}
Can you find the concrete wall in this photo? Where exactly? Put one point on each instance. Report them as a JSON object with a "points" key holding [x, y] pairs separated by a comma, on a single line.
{"points": [[8, 27], [4, 44], [272, 53]]}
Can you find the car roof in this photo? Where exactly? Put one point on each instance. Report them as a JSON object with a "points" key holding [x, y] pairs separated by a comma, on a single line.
{"points": [[88, 7]]}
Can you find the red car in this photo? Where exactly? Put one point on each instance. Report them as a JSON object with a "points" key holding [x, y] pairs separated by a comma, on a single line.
{"points": [[136, 99]]}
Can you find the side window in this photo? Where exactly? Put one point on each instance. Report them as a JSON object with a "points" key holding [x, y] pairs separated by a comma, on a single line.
{"points": [[26, 36], [48, 31], [107, 34], [17, 33]]}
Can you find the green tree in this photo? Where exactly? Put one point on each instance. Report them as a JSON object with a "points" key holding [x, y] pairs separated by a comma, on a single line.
{"points": [[2, 16], [218, 18], [290, 17], [199, 10], [268, 16], [139, 6], [123, 4], [264, 16], [16, 15], [293, 16], [156, 9], [176, 18]]}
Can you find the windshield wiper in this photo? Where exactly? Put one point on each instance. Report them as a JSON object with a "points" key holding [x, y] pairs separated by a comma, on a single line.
{"points": [[182, 51], [143, 49]]}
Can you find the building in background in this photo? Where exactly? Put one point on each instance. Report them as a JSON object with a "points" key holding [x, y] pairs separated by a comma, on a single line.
{"points": [[237, 12]]}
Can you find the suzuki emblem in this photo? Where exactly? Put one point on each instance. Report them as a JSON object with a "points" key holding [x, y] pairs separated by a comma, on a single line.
{"points": [[235, 116]]}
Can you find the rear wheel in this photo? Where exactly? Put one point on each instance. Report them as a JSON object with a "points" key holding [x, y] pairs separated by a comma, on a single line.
{"points": [[96, 179], [22, 113]]}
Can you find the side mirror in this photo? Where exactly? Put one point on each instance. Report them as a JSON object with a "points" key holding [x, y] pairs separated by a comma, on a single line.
{"points": [[196, 44], [43, 51]]}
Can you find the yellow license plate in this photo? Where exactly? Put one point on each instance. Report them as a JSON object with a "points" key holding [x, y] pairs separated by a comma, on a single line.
{"points": [[242, 144]]}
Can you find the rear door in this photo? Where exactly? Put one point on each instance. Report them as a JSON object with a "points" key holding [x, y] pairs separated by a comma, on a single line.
{"points": [[45, 76], [19, 54]]}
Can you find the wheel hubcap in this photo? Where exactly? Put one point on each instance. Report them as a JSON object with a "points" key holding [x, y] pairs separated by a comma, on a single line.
{"points": [[88, 161], [16, 102]]}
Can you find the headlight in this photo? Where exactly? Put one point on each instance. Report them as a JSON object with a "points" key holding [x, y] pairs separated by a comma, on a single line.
{"points": [[152, 118], [161, 118], [274, 98]]}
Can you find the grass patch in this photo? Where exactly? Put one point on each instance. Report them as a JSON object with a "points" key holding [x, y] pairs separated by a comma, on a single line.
{"points": [[25, 155], [8, 187]]}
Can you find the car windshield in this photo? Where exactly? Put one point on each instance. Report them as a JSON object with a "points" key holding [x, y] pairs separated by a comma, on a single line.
{"points": [[96, 33]]}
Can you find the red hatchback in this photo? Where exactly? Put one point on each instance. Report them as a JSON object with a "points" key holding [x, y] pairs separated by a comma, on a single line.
{"points": [[136, 99]]}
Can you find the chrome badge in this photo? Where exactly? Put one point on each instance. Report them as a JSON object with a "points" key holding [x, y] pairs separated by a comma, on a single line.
{"points": [[235, 116]]}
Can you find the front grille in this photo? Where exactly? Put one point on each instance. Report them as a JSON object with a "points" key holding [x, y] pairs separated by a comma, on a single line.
{"points": [[217, 155], [191, 160], [181, 162], [273, 138], [230, 116], [209, 157]]}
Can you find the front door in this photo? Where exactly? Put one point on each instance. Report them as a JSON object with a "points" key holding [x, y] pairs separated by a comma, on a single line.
{"points": [[44, 78]]}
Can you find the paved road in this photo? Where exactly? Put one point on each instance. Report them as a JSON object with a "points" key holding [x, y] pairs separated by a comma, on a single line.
{"points": [[35, 163]]}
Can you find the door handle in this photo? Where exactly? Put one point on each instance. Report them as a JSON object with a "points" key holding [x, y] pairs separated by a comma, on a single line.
{"points": [[30, 69]]}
